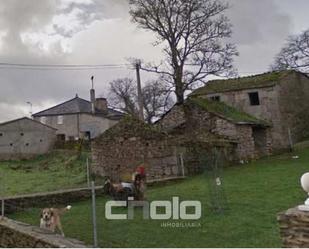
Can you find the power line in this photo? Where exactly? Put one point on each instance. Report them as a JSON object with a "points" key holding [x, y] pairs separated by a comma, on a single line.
{"points": [[4, 65]]}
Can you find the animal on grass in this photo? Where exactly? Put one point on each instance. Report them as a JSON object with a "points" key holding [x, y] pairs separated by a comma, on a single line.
{"points": [[50, 218], [118, 191], [124, 190]]}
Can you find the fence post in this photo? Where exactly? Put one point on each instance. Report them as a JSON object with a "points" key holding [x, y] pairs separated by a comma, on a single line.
{"points": [[2, 194], [88, 173], [290, 139], [94, 216], [182, 165], [2, 207]]}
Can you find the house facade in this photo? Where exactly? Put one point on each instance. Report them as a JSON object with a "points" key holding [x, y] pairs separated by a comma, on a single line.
{"points": [[280, 98], [24, 138], [78, 118], [251, 136], [183, 142]]}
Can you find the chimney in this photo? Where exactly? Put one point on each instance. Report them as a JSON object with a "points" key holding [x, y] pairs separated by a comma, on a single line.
{"points": [[92, 100], [101, 104], [92, 96]]}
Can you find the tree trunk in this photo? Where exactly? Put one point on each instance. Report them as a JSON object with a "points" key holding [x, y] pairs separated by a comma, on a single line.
{"points": [[179, 87]]}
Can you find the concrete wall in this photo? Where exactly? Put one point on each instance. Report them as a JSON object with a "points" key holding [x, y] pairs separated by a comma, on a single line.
{"points": [[75, 124], [69, 126], [96, 125], [15, 234], [24, 139]]}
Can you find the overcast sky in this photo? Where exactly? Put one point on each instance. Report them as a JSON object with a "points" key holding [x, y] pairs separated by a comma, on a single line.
{"points": [[100, 32]]}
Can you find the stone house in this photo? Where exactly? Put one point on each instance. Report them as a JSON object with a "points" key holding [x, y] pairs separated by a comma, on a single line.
{"points": [[80, 118], [250, 135], [118, 151], [180, 142], [280, 98], [24, 138]]}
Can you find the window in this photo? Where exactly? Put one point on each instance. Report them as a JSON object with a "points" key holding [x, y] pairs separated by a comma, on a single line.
{"points": [[215, 98], [254, 98], [22, 134], [43, 120], [61, 137], [60, 120], [27, 144], [1, 134]]}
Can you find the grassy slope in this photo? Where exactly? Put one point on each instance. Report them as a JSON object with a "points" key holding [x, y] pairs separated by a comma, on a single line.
{"points": [[58, 170], [255, 192]]}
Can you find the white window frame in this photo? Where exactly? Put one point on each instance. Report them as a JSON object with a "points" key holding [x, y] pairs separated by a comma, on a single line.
{"points": [[60, 120]]}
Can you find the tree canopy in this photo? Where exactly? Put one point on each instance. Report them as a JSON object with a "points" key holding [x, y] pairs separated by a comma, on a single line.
{"points": [[295, 54], [195, 36]]}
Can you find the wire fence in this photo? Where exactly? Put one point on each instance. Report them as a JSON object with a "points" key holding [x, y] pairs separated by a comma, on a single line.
{"points": [[88, 208]]}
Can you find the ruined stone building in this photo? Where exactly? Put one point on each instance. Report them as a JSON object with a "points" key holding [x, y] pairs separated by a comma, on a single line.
{"points": [[250, 135], [179, 142], [80, 118], [280, 98], [118, 151], [24, 138]]}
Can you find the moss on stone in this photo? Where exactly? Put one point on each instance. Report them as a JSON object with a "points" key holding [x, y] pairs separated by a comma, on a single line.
{"points": [[132, 127], [255, 81], [225, 110]]}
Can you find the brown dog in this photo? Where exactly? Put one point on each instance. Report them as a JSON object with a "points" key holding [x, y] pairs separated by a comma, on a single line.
{"points": [[50, 218]]}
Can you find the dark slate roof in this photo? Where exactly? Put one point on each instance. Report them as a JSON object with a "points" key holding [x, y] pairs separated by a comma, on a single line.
{"points": [[26, 118], [255, 81], [75, 106]]}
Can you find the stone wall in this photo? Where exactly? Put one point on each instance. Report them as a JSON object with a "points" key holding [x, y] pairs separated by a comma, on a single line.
{"points": [[294, 105], [245, 147], [172, 119], [119, 151], [285, 105], [63, 197], [21, 235], [269, 108], [119, 158], [198, 121], [294, 228]]}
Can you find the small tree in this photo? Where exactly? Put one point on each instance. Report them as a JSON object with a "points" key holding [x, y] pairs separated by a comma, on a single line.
{"points": [[295, 54], [122, 95], [194, 33], [156, 99]]}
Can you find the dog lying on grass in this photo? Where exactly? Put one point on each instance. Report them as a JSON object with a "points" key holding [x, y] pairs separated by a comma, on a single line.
{"points": [[50, 218]]}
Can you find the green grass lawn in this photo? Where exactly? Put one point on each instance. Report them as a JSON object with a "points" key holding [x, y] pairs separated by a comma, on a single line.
{"points": [[256, 192], [55, 171]]}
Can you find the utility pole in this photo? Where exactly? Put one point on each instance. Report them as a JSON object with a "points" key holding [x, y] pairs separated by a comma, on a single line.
{"points": [[139, 91]]}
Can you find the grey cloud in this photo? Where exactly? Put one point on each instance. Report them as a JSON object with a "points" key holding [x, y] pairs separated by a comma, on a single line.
{"points": [[104, 34], [19, 16], [260, 28]]}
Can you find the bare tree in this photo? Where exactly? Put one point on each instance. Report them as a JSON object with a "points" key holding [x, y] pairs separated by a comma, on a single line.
{"points": [[295, 54], [156, 99], [195, 34], [122, 95]]}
